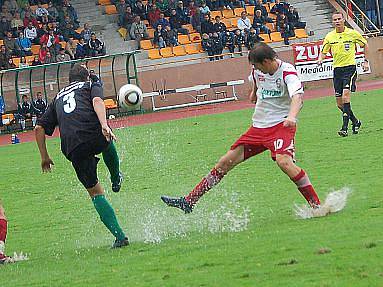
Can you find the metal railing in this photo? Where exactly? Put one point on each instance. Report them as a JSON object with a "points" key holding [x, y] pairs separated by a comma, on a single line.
{"points": [[359, 17], [113, 70]]}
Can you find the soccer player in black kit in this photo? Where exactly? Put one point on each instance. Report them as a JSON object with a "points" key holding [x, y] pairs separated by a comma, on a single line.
{"points": [[79, 112]]}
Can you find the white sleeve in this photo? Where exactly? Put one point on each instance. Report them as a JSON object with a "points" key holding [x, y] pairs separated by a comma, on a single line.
{"points": [[293, 83]]}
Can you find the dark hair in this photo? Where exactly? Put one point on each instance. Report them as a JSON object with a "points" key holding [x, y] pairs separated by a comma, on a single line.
{"points": [[78, 73], [261, 52], [337, 13]]}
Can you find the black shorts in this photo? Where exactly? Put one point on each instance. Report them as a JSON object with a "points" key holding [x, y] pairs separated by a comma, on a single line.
{"points": [[344, 79], [84, 160]]}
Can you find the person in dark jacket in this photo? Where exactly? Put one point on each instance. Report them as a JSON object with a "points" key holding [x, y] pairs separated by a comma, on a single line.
{"points": [[217, 45], [239, 40], [252, 38], [25, 111], [294, 19], [228, 41], [96, 47], [207, 46], [39, 105], [81, 49], [219, 26]]}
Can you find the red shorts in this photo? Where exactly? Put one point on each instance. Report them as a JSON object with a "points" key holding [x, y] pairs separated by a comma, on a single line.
{"points": [[278, 139]]}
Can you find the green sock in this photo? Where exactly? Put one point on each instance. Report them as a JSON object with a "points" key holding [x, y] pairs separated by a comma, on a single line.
{"points": [[108, 216], [112, 161]]}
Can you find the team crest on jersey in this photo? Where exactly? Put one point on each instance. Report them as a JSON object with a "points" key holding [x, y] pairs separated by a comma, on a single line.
{"points": [[347, 46], [278, 82], [261, 78]]}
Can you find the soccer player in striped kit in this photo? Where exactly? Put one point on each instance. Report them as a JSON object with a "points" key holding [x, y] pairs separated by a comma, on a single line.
{"points": [[277, 94]]}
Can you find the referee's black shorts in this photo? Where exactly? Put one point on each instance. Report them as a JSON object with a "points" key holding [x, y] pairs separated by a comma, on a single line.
{"points": [[84, 160], [344, 79]]}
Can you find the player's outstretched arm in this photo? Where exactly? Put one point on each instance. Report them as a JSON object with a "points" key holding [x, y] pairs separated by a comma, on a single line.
{"points": [[295, 107], [46, 162], [99, 108]]}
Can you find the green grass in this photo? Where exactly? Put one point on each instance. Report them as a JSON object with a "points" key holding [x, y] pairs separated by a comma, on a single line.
{"points": [[243, 233]]}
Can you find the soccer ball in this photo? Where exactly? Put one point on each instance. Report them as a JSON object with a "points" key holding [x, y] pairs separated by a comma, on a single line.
{"points": [[130, 97]]}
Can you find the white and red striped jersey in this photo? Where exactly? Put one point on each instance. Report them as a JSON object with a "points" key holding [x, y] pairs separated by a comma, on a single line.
{"points": [[274, 93]]}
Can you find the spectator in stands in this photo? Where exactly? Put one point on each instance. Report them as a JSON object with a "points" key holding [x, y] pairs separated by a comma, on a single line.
{"points": [[17, 24], [219, 26], [25, 45], [62, 56], [41, 11], [43, 53], [23, 62], [196, 21], [96, 46], [36, 61], [52, 12], [163, 21], [176, 23], [69, 32], [158, 38], [52, 42], [11, 45], [244, 23], [153, 15], [5, 13], [11, 64], [207, 46], [294, 20], [28, 18], [252, 38], [81, 49], [182, 13], [70, 48], [217, 45], [140, 9], [5, 26], [239, 40], [228, 41], [23, 4], [11, 6], [205, 10], [127, 21], [4, 57], [286, 29], [207, 27], [27, 9], [280, 7], [259, 6], [170, 36], [163, 5], [25, 112], [86, 32], [121, 9], [138, 31], [39, 105], [73, 15], [259, 23], [49, 58], [30, 32], [192, 9]]}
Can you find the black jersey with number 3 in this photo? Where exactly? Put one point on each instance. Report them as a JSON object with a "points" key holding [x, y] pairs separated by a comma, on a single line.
{"points": [[72, 111]]}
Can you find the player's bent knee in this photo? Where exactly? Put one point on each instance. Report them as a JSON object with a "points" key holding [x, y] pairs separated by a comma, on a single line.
{"points": [[283, 161]]}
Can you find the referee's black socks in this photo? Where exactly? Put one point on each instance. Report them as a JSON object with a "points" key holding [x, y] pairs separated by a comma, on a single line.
{"points": [[346, 115]]}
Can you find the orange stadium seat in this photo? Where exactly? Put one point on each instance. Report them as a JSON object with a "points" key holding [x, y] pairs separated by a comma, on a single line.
{"points": [[269, 7], [151, 33], [195, 37], [110, 9], [192, 49], [238, 11], [227, 23], [146, 44], [166, 52], [227, 13], [276, 37], [300, 33], [146, 22], [1, 42], [183, 39], [110, 104], [179, 51], [250, 10], [104, 2], [271, 26], [16, 61], [213, 14], [265, 37], [7, 119], [154, 54], [234, 22], [29, 59], [35, 49], [189, 27], [199, 47]]}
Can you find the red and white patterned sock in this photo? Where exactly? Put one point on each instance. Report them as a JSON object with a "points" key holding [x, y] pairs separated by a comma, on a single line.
{"points": [[306, 189], [210, 180]]}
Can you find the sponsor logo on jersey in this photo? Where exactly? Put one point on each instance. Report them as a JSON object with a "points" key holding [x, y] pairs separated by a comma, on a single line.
{"points": [[278, 82], [347, 46]]}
